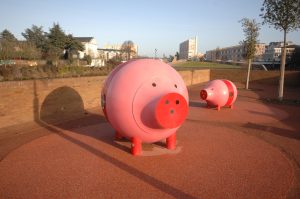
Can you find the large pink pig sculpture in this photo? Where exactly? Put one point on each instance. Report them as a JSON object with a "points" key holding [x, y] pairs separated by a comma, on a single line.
{"points": [[145, 100], [219, 93]]}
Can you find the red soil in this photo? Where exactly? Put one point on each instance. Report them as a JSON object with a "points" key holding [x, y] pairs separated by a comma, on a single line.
{"points": [[248, 152]]}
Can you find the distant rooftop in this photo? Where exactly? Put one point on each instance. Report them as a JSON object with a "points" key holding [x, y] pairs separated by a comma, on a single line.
{"points": [[293, 46], [84, 39], [109, 49]]}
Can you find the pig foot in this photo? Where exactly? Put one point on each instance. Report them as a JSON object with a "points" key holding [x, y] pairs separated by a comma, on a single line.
{"points": [[171, 141], [118, 136], [136, 146], [231, 106], [218, 107], [208, 106]]}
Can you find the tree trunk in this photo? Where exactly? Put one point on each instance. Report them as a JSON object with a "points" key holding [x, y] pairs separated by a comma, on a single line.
{"points": [[248, 74], [282, 69]]}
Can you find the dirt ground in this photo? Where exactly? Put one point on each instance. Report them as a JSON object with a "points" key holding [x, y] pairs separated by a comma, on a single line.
{"points": [[251, 151]]}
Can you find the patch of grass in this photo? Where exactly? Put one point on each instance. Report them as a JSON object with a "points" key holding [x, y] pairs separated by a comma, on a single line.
{"points": [[195, 64]]}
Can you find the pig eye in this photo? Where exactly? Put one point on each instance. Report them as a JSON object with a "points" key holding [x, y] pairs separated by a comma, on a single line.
{"points": [[153, 84], [175, 85]]}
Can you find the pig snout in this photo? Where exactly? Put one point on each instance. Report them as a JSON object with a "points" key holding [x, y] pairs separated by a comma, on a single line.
{"points": [[171, 110], [207, 94]]}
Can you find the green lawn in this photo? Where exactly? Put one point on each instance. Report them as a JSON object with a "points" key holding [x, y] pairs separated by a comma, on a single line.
{"points": [[194, 64]]}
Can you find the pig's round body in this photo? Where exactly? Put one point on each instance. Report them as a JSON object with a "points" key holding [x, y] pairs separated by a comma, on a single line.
{"points": [[219, 93], [133, 93]]}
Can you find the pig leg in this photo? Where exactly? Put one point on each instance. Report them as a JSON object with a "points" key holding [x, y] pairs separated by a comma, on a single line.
{"points": [[218, 107], [118, 135], [208, 105], [136, 146], [231, 106], [171, 141]]}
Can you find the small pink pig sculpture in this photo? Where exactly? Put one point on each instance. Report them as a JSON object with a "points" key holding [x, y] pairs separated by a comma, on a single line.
{"points": [[145, 100], [219, 93]]}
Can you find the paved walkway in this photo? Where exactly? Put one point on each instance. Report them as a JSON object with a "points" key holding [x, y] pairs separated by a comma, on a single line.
{"points": [[252, 151]]}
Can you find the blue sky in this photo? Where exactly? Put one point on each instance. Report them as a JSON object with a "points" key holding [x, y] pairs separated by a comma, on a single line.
{"points": [[150, 24]]}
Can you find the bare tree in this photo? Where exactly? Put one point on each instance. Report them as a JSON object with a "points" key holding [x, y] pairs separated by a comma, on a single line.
{"points": [[250, 29], [128, 48], [284, 15]]}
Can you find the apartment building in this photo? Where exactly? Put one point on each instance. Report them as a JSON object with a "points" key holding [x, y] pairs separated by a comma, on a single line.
{"points": [[188, 49], [274, 49], [235, 53]]}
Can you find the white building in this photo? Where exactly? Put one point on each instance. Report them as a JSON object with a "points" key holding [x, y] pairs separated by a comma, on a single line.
{"points": [[273, 51], [188, 49], [115, 51], [90, 47]]}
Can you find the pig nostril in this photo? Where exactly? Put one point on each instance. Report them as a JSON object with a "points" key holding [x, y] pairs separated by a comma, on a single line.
{"points": [[177, 101], [171, 111], [153, 84], [167, 102]]}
